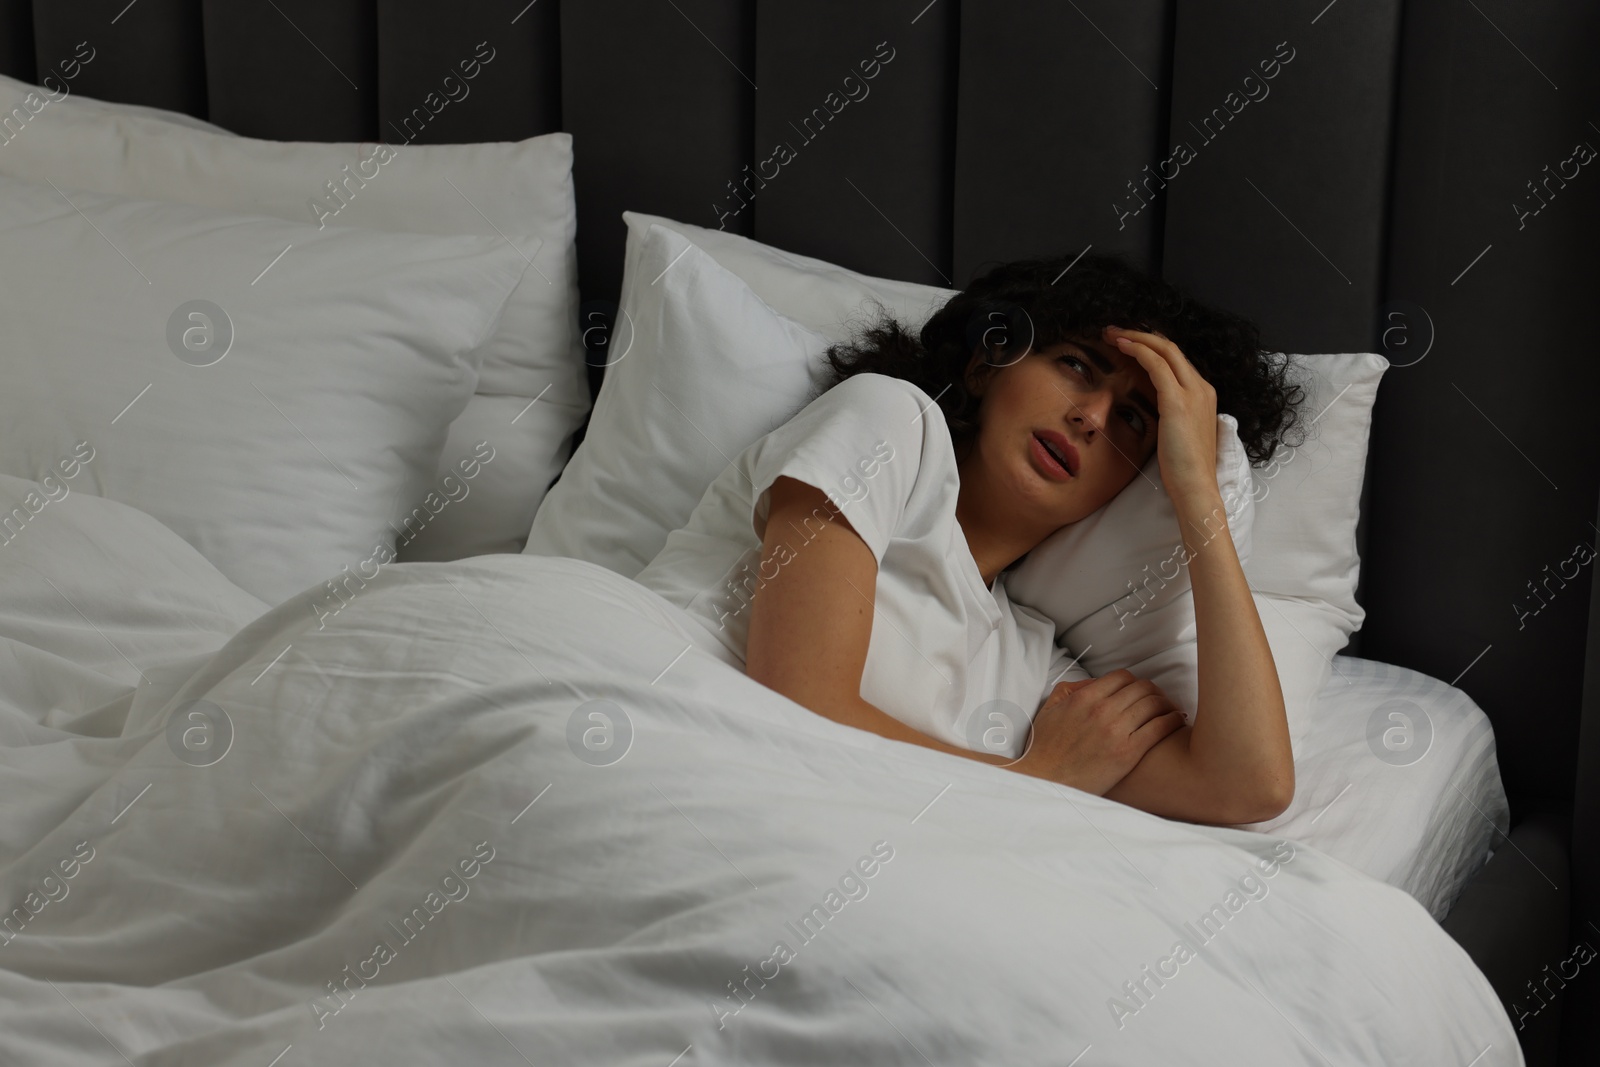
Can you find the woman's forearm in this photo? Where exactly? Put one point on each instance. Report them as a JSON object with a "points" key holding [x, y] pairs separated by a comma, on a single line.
{"points": [[1234, 765], [864, 715], [1240, 733]]}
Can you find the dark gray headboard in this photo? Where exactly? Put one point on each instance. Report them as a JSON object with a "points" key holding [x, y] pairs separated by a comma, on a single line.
{"points": [[1355, 175]]}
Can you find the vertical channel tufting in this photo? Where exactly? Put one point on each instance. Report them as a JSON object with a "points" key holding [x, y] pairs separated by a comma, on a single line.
{"points": [[1062, 109], [487, 73], [657, 100], [1486, 476], [854, 136], [1281, 128], [16, 41], [293, 70], [148, 53]]}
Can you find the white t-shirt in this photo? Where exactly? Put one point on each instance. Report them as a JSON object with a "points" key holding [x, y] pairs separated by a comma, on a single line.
{"points": [[944, 647]]}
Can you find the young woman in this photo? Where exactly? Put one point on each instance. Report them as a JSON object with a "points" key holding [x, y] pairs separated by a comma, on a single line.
{"points": [[853, 559]]}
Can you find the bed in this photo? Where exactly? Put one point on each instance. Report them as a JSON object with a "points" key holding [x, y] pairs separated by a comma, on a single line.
{"points": [[311, 749], [1425, 824]]}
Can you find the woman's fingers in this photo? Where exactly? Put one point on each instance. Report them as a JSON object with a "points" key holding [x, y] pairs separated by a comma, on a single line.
{"points": [[1102, 686], [1163, 346], [1148, 708], [1160, 368], [1136, 701], [1160, 726]]}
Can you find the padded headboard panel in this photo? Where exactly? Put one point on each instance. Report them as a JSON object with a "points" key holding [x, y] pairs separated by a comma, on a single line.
{"points": [[1377, 176]]}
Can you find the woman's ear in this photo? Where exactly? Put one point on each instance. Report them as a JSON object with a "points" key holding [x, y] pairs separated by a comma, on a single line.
{"points": [[979, 371]]}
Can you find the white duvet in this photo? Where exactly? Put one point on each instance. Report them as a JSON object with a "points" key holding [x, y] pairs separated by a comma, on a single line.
{"points": [[498, 811]]}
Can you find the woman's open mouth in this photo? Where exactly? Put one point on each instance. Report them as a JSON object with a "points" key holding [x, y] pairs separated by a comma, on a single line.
{"points": [[1052, 458]]}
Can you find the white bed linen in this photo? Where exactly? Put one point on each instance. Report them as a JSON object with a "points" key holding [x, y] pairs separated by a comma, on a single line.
{"points": [[429, 726], [92, 592], [1425, 818], [283, 421], [512, 191]]}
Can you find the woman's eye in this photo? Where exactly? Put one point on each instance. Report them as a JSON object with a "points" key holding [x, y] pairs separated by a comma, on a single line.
{"points": [[1137, 421]]}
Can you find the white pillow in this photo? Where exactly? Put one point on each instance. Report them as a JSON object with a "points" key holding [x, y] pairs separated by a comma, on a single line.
{"points": [[818, 295], [1299, 635], [709, 370], [1308, 499], [597, 511], [533, 388], [267, 390], [12, 92]]}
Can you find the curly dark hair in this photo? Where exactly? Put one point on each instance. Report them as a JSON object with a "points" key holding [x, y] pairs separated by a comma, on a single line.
{"points": [[1040, 302]]}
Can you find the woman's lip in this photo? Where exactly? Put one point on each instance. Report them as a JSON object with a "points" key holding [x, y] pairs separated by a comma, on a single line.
{"points": [[1046, 462], [1062, 446]]}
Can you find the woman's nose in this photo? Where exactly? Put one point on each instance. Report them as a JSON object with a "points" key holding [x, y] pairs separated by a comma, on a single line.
{"points": [[1094, 407]]}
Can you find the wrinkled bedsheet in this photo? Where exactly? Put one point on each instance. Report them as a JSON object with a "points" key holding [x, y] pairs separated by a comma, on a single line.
{"points": [[503, 811]]}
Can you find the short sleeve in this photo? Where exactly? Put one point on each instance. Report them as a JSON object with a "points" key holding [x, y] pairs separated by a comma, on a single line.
{"points": [[1064, 667], [864, 443]]}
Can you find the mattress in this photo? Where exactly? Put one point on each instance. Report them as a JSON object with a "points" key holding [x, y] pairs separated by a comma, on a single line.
{"points": [[1397, 777]]}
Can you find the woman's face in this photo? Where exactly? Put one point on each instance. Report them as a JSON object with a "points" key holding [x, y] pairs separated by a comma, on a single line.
{"points": [[1088, 392]]}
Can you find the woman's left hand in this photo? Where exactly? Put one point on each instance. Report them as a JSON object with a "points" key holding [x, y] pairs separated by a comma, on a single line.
{"points": [[1186, 443]]}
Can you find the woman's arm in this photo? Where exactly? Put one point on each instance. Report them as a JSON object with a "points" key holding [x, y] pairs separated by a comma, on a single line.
{"points": [[811, 624], [1235, 765]]}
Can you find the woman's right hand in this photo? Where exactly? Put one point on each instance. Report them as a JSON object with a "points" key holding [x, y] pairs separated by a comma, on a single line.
{"points": [[1089, 734]]}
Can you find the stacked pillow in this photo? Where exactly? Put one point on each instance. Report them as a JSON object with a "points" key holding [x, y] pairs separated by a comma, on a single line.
{"points": [[265, 389], [13, 90], [710, 359], [532, 391], [687, 392], [1310, 496]]}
